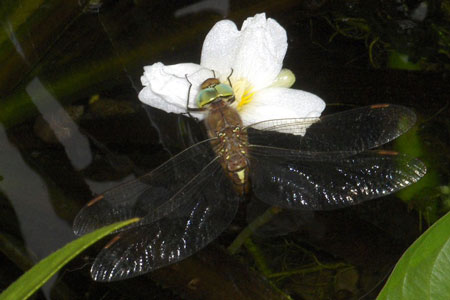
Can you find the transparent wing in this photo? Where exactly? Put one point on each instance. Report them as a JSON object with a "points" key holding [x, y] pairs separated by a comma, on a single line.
{"points": [[172, 238], [152, 196], [321, 183], [352, 131]]}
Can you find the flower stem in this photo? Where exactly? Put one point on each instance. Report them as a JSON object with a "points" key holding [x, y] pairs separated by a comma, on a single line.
{"points": [[258, 256], [255, 224]]}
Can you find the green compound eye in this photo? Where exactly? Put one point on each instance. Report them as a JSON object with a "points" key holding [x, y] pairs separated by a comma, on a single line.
{"points": [[208, 95], [224, 90]]}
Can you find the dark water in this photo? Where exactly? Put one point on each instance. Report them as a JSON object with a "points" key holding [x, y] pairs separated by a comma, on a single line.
{"points": [[71, 126]]}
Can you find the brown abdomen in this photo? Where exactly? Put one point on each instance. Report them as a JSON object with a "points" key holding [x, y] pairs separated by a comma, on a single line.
{"points": [[224, 123]]}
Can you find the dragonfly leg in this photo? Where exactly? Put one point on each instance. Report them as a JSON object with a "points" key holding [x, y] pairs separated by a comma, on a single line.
{"points": [[228, 78], [190, 109]]}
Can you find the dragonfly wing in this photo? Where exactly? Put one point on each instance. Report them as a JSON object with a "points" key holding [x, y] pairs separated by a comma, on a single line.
{"points": [[172, 238], [316, 184], [353, 131], [150, 196]]}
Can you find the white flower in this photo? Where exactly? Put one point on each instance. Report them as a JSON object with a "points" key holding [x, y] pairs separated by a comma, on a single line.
{"points": [[254, 56]]}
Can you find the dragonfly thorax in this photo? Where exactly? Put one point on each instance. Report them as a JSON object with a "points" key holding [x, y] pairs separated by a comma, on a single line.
{"points": [[212, 90]]}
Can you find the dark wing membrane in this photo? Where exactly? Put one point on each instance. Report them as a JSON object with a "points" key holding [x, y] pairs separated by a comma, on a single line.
{"points": [[322, 184], [151, 196], [353, 131], [172, 238]]}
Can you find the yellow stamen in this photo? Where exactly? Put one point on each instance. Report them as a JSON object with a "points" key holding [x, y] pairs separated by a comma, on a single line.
{"points": [[246, 98], [243, 92]]}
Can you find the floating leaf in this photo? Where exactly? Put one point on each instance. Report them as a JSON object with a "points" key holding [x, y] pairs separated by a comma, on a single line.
{"points": [[424, 269], [34, 278]]}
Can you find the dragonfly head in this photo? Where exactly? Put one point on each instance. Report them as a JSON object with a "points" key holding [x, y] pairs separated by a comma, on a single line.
{"points": [[209, 83], [212, 90]]}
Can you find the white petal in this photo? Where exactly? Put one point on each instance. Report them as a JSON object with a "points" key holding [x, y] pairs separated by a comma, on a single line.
{"points": [[220, 47], [255, 53], [280, 103], [166, 87], [263, 45]]}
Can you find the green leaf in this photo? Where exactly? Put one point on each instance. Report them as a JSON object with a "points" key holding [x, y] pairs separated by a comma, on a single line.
{"points": [[401, 61], [423, 271], [34, 278]]}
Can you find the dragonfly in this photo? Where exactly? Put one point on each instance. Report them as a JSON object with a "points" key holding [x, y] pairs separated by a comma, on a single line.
{"points": [[305, 163]]}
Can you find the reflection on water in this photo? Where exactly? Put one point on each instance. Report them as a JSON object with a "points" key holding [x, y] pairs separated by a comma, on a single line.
{"points": [[66, 131], [221, 7], [29, 195], [30, 198]]}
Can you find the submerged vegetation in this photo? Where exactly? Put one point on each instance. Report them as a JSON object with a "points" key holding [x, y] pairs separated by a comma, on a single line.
{"points": [[409, 35]]}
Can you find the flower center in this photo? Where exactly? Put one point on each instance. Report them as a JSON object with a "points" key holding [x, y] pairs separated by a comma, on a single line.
{"points": [[243, 92]]}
